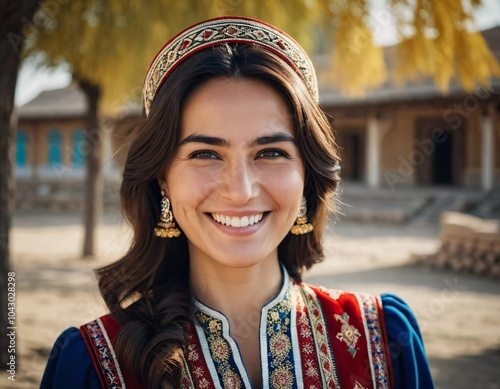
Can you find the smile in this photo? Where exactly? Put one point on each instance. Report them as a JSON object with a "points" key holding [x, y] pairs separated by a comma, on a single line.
{"points": [[234, 221]]}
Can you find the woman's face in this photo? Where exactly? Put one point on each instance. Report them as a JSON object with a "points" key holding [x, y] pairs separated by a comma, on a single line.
{"points": [[237, 179]]}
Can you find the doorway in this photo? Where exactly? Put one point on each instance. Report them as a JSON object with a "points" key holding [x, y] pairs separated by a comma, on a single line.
{"points": [[439, 153], [352, 146]]}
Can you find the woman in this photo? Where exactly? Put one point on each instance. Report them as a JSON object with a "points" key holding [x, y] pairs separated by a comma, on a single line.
{"points": [[239, 165]]}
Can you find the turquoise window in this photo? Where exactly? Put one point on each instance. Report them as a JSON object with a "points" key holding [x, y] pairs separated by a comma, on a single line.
{"points": [[54, 139], [21, 148], [78, 153]]}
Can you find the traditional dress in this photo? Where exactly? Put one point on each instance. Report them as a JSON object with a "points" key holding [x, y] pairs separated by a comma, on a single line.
{"points": [[309, 338]]}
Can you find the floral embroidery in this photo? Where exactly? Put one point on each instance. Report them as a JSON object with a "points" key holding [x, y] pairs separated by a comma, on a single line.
{"points": [[324, 353], [280, 346], [282, 378], [307, 348], [214, 326], [297, 344], [105, 355], [310, 367], [220, 351], [231, 380], [280, 356], [376, 347], [348, 333], [192, 353], [196, 373]]}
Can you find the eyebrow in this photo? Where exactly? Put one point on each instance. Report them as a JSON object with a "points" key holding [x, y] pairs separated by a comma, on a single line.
{"points": [[209, 140], [261, 141], [274, 138]]}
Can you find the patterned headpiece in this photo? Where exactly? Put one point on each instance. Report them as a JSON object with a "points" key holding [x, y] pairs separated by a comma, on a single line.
{"points": [[227, 29]]}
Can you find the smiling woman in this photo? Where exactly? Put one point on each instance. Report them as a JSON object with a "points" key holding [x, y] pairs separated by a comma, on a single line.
{"points": [[232, 163], [227, 186]]}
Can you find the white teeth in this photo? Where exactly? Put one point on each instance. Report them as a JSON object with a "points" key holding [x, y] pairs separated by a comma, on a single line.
{"points": [[237, 222]]}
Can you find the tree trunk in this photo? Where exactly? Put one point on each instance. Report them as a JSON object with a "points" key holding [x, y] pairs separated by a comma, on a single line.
{"points": [[94, 178], [13, 15]]}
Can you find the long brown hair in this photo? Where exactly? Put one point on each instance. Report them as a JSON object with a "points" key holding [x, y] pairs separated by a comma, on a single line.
{"points": [[154, 272]]}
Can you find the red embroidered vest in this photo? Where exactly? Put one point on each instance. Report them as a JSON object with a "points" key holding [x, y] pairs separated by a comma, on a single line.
{"points": [[312, 338]]}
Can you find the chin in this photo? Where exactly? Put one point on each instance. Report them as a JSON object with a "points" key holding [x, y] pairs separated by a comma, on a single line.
{"points": [[242, 262]]}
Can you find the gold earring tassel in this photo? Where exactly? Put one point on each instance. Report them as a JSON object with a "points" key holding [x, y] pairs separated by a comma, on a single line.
{"points": [[301, 225], [166, 226]]}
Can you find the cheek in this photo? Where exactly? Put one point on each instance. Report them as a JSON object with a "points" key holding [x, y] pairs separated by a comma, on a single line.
{"points": [[189, 188], [287, 181]]}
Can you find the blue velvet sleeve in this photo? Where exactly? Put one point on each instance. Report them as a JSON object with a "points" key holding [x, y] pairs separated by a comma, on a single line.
{"points": [[69, 364], [409, 362]]}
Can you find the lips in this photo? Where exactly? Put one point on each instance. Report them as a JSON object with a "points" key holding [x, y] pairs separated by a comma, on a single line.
{"points": [[238, 222]]}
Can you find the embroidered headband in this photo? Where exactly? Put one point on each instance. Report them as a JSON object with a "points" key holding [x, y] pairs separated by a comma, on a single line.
{"points": [[218, 31]]}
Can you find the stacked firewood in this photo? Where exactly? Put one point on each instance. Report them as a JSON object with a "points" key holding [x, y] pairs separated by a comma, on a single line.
{"points": [[468, 244]]}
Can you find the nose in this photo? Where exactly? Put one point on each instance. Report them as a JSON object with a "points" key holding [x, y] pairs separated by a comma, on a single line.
{"points": [[239, 184]]}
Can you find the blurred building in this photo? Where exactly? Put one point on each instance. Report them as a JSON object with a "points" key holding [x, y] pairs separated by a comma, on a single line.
{"points": [[414, 135], [394, 138], [51, 149]]}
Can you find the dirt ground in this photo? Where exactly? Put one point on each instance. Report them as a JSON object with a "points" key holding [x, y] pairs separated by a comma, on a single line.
{"points": [[459, 314]]}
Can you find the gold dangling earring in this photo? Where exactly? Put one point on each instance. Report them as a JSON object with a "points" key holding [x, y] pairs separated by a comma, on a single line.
{"points": [[301, 225], [166, 226]]}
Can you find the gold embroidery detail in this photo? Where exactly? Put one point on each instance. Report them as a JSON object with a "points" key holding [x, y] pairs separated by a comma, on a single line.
{"points": [[275, 316], [282, 377], [348, 333], [214, 326], [280, 346], [311, 371], [231, 380], [325, 357], [219, 350]]}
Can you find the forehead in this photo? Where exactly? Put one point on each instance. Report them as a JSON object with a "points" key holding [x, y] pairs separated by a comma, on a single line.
{"points": [[231, 108]]}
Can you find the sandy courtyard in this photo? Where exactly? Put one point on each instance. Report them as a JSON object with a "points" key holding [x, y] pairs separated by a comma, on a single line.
{"points": [[459, 314]]}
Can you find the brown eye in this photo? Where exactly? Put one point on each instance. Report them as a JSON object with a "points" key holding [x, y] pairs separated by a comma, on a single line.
{"points": [[203, 154], [272, 153]]}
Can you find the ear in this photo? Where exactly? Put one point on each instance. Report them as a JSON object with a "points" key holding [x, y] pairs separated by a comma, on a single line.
{"points": [[162, 183]]}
